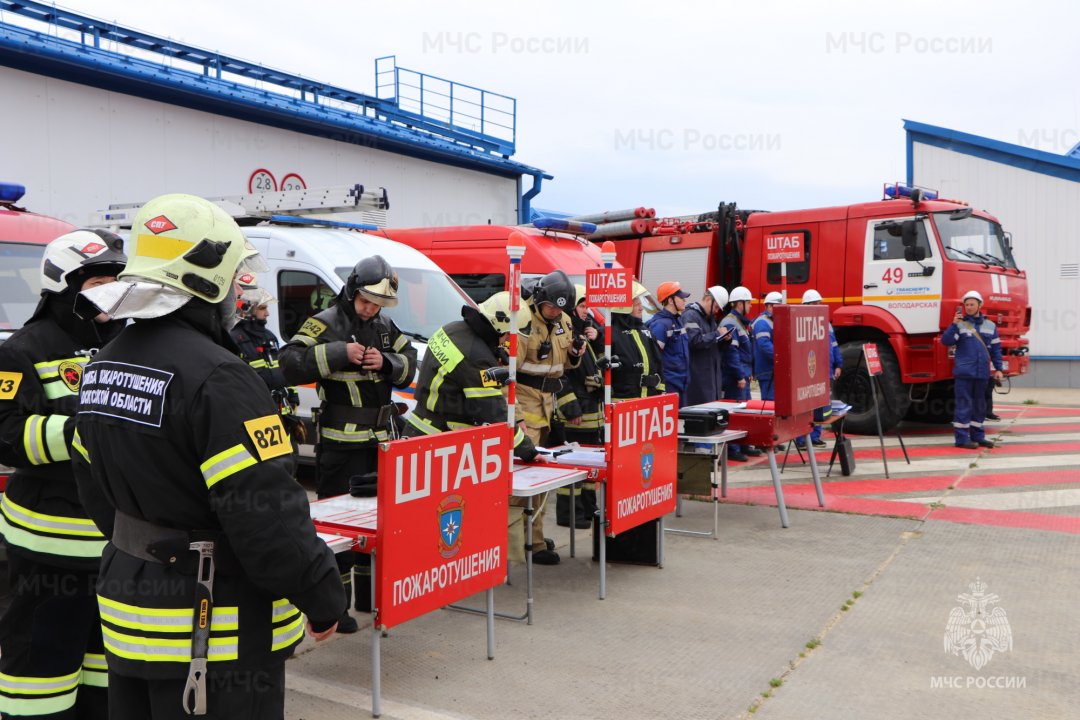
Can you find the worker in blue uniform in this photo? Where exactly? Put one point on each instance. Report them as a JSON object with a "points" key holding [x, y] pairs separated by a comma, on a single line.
{"points": [[978, 348], [764, 352], [738, 365]]}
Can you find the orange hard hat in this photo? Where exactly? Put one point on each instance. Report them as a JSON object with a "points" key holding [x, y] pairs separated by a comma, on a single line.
{"points": [[668, 289]]}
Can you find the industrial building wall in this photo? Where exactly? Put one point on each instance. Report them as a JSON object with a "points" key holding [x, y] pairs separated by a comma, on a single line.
{"points": [[1043, 214], [78, 148]]}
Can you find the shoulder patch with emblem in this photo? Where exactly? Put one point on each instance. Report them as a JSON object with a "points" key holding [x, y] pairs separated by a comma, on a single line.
{"points": [[70, 374], [9, 384], [312, 328]]}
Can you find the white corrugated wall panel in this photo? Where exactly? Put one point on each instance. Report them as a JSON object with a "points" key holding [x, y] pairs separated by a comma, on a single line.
{"points": [[78, 148], [1043, 215]]}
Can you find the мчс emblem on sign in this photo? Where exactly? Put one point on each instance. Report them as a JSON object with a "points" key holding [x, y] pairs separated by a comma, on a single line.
{"points": [[975, 631], [450, 512], [648, 453]]}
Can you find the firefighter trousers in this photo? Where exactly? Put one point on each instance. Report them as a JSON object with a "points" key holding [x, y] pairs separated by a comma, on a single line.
{"points": [[52, 661], [234, 695]]}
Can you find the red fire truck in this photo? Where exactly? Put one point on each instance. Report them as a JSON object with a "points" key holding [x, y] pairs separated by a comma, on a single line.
{"points": [[891, 271]]}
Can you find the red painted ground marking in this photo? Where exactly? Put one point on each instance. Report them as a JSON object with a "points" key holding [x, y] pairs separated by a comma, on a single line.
{"points": [[1008, 518], [1044, 429], [1034, 412]]}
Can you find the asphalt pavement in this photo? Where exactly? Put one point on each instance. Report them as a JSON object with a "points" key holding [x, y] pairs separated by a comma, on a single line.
{"points": [[945, 590]]}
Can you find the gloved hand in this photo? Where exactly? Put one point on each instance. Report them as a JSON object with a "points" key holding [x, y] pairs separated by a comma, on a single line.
{"points": [[650, 381], [604, 362], [497, 375], [578, 345]]}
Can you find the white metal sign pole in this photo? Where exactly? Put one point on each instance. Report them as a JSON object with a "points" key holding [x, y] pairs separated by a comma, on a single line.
{"points": [[607, 256]]}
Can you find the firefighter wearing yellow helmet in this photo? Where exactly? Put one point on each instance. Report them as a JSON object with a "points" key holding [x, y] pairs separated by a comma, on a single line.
{"points": [[635, 356], [184, 465], [463, 373]]}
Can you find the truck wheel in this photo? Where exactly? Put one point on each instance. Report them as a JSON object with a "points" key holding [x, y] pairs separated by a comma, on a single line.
{"points": [[854, 388], [938, 407]]}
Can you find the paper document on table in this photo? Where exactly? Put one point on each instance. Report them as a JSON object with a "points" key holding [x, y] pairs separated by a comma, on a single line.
{"points": [[585, 458]]}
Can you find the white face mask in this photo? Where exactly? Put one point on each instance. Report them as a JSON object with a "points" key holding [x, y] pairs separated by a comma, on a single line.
{"points": [[135, 298]]}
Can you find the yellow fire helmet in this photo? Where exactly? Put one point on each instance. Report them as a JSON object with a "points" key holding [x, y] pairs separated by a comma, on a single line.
{"points": [[640, 291], [189, 244], [497, 311]]}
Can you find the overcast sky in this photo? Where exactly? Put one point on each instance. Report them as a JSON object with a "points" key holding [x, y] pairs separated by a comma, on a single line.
{"points": [[679, 105]]}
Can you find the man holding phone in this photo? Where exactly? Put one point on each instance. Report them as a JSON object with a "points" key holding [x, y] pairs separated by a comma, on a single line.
{"points": [[707, 343], [978, 348]]}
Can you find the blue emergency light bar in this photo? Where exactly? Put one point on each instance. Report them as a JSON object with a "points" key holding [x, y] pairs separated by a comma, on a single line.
{"points": [[319, 222], [568, 226], [11, 193], [918, 194]]}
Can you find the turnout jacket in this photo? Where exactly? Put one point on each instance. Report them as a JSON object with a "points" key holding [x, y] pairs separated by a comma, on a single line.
{"points": [[259, 348], [174, 430], [351, 397], [978, 347], [639, 373], [453, 391], [583, 392], [539, 375], [40, 513]]}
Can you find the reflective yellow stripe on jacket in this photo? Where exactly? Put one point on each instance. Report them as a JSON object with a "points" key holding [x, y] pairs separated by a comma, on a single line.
{"points": [[53, 534], [164, 634], [43, 439]]}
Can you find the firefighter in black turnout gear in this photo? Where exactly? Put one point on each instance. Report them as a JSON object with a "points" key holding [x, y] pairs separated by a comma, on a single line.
{"points": [[355, 355], [183, 463], [461, 379], [258, 347], [583, 400], [51, 660], [635, 357]]}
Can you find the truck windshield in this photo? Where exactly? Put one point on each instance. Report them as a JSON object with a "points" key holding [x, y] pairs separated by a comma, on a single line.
{"points": [[974, 240], [427, 300], [20, 283]]}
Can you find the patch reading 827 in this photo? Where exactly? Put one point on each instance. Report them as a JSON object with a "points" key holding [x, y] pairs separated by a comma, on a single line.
{"points": [[125, 391]]}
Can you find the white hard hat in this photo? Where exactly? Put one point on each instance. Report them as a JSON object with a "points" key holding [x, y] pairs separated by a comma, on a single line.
{"points": [[811, 296], [973, 294], [719, 294], [740, 293], [774, 298]]}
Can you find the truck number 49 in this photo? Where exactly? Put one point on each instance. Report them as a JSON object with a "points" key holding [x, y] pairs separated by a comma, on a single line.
{"points": [[893, 275]]}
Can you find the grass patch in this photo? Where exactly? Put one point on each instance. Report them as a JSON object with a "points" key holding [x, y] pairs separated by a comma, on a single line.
{"points": [[1031, 401], [813, 644], [856, 594], [776, 682]]}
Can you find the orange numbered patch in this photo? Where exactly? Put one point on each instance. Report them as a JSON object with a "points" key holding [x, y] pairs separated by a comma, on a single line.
{"points": [[269, 436], [9, 384]]}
